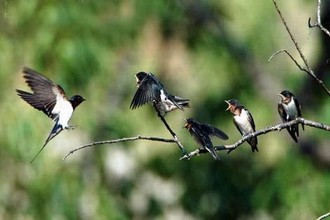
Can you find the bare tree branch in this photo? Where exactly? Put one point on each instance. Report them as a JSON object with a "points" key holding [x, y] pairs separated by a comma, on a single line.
{"points": [[176, 140], [97, 143], [323, 216], [318, 23], [308, 69], [287, 52], [261, 132], [217, 148]]}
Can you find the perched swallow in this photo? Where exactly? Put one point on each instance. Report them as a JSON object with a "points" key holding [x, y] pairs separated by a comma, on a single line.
{"points": [[243, 121], [289, 109], [201, 134], [150, 89], [51, 99]]}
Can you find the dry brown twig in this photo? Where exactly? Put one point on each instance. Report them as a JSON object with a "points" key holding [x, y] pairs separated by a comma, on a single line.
{"points": [[318, 23], [139, 137], [324, 216], [175, 137], [307, 67]]}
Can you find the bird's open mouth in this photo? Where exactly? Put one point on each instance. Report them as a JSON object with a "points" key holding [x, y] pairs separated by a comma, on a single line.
{"points": [[187, 125]]}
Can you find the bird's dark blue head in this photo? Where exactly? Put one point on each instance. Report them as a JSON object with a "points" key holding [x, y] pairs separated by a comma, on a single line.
{"points": [[76, 100], [286, 96], [232, 104], [189, 123], [140, 75], [286, 93]]}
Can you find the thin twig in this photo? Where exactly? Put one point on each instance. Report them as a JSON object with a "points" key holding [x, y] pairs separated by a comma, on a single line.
{"points": [[287, 52], [318, 23], [176, 139], [291, 57], [260, 132], [324, 216], [308, 69], [291, 35], [97, 143]]}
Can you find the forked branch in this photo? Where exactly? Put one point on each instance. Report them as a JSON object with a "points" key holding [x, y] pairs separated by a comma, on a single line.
{"points": [[217, 148], [318, 23], [307, 68], [175, 138]]}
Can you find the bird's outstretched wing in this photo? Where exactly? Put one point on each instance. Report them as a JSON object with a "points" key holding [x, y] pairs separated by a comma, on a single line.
{"points": [[148, 91], [45, 92]]}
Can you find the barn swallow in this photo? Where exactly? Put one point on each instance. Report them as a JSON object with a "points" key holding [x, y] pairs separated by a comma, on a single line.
{"points": [[150, 89], [289, 109], [201, 134], [243, 121], [51, 99]]}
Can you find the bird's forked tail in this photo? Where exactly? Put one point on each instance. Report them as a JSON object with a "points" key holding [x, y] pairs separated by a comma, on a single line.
{"points": [[55, 131]]}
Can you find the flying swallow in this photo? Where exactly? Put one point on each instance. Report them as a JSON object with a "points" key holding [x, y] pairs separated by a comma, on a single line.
{"points": [[289, 109], [201, 134], [51, 99], [150, 89], [243, 121]]}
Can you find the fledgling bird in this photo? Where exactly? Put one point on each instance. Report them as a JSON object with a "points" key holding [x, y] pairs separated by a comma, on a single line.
{"points": [[289, 109], [150, 89], [243, 121], [201, 134], [51, 99]]}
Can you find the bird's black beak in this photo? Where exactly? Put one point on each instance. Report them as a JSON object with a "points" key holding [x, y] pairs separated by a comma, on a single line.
{"points": [[228, 105], [187, 125], [282, 96], [138, 81]]}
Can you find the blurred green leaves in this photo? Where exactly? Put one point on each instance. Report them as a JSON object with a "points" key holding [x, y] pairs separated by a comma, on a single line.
{"points": [[208, 51]]}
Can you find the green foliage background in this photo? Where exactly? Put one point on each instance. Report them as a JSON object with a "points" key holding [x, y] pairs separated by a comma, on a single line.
{"points": [[208, 51]]}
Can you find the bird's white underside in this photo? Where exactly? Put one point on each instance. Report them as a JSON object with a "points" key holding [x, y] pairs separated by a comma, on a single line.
{"points": [[165, 105], [243, 122], [290, 109], [64, 110]]}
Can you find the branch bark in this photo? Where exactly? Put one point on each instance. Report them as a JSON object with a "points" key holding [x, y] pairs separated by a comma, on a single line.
{"points": [[175, 138], [217, 148], [323, 216], [261, 132], [97, 143], [308, 69], [318, 23]]}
